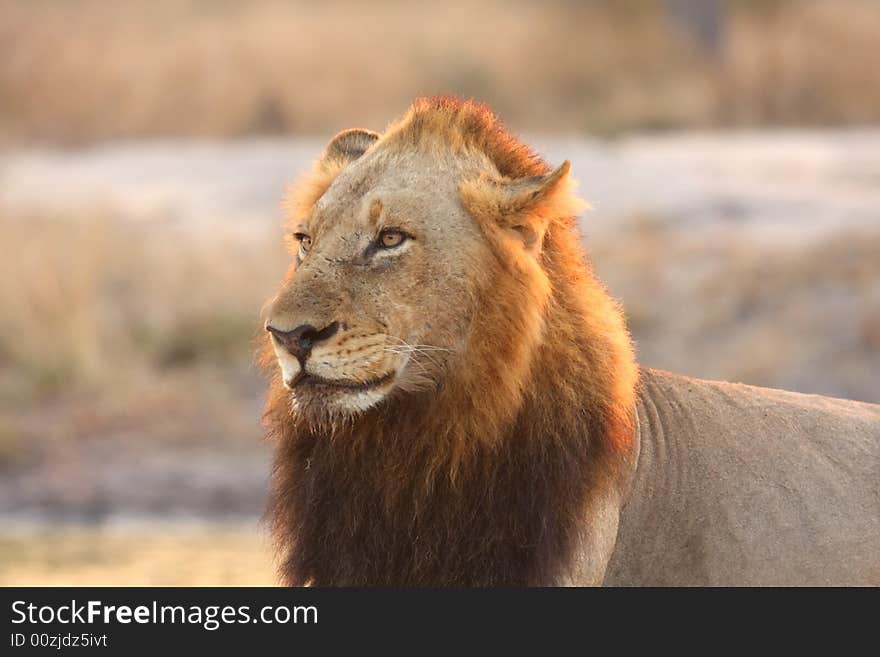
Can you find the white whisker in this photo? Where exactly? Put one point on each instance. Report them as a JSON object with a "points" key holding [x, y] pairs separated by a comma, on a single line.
{"points": [[424, 349]]}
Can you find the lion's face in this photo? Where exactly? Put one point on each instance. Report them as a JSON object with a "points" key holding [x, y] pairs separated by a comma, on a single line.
{"points": [[382, 287], [393, 258]]}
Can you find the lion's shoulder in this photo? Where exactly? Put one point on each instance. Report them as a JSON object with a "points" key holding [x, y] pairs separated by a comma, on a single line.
{"points": [[737, 484], [701, 397], [722, 428]]}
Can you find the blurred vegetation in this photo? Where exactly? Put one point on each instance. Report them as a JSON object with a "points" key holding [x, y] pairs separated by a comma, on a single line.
{"points": [[804, 318], [83, 70], [129, 332], [89, 300]]}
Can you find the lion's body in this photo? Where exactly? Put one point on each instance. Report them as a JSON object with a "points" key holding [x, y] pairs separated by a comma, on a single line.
{"points": [[738, 485], [464, 412]]}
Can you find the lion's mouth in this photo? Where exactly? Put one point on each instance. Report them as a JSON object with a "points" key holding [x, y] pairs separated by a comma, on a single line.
{"points": [[314, 381]]}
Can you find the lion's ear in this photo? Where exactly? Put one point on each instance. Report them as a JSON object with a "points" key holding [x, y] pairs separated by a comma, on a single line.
{"points": [[344, 148], [347, 146], [523, 205]]}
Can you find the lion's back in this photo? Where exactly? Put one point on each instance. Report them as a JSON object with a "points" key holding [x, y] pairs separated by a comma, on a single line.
{"points": [[744, 485]]}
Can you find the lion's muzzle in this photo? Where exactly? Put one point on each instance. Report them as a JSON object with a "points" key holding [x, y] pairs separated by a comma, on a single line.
{"points": [[299, 341], [340, 365]]}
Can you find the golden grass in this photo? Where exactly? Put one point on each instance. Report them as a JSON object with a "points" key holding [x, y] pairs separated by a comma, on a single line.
{"points": [[91, 300], [152, 554], [812, 62], [804, 317], [88, 69]]}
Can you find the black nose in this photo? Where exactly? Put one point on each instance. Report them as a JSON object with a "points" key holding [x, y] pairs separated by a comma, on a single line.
{"points": [[299, 341]]}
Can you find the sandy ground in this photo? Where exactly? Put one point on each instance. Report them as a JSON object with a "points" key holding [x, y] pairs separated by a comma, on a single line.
{"points": [[136, 553]]}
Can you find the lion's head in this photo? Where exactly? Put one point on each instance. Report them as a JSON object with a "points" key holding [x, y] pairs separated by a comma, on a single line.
{"points": [[418, 258], [449, 366]]}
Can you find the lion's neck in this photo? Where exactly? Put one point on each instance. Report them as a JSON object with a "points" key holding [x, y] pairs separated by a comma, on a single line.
{"points": [[431, 491]]}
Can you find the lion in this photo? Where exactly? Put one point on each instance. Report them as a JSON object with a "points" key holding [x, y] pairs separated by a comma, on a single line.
{"points": [[454, 398]]}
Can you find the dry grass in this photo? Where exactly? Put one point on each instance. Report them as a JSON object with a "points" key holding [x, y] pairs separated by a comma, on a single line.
{"points": [[154, 554], [800, 317], [93, 300], [85, 70], [808, 63], [126, 338]]}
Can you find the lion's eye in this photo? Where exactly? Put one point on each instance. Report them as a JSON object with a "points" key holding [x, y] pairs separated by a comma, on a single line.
{"points": [[388, 239], [305, 243]]}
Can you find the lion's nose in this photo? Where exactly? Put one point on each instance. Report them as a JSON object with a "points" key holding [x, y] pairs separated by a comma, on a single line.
{"points": [[299, 341]]}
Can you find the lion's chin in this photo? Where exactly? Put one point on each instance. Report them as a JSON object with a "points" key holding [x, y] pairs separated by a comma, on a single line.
{"points": [[315, 394]]}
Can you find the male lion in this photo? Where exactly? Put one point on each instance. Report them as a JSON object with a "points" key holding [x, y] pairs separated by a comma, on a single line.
{"points": [[457, 401]]}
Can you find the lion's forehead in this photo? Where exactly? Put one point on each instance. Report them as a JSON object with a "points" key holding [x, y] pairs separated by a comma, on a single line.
{"points": [[410, 189]]}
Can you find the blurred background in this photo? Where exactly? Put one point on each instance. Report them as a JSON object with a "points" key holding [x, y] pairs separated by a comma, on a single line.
{"points": [[730, 150]]}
